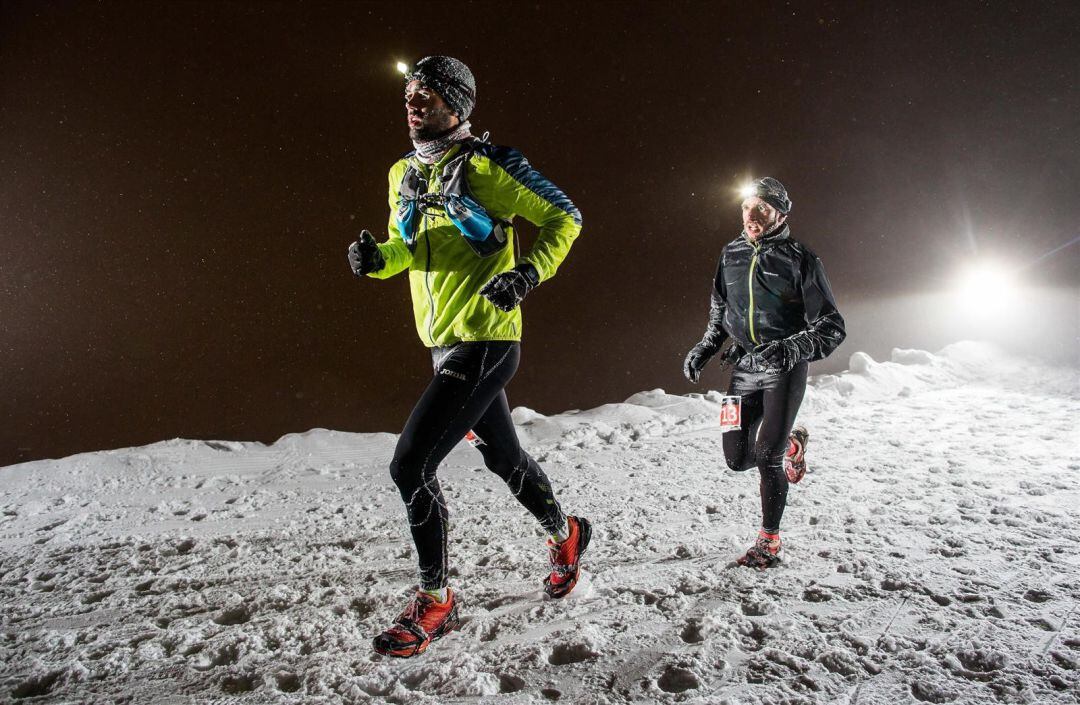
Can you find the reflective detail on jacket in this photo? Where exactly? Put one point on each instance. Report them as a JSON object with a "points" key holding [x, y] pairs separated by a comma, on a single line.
{"points": [[445, 275], [780, 286]]}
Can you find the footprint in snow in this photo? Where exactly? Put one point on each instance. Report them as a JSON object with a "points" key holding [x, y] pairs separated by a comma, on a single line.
{"points": [[52, 525], [223, 656], [231, 617], [36, 685], [564, 654], [287, 681], [184, 547], [235, 683], [510, 683], [756, 608], [96, 597], [1038, 596], [677, 680], [692, 633]]}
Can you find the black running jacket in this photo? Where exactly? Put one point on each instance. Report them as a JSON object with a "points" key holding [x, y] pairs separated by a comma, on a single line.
{"points": [[771, 290]]}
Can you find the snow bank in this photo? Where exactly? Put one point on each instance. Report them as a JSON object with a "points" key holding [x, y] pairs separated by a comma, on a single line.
{"points": [[908, 372], [912, 371]]}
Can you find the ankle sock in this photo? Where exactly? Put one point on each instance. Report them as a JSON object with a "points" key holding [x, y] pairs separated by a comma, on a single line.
{"points": [[561, 534]]}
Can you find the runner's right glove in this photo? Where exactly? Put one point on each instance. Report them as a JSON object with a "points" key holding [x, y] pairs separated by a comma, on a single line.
{"points": [[364, 255], [696, 359]]}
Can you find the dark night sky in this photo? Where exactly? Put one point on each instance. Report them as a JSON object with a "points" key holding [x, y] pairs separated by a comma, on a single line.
{"points": [[179, 183]]}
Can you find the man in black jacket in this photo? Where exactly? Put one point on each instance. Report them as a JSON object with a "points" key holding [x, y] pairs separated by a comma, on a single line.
{"points": [[772, 300]]}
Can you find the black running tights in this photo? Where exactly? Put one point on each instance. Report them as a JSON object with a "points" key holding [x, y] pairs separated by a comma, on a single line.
{"points": [[465, 393], [769, 405]]}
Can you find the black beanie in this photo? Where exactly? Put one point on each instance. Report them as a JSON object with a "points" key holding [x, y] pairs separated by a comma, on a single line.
{"points": [[773, 192], [449, 78]]}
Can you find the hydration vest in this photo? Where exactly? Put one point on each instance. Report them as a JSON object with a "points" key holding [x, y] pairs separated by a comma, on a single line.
{"points": [[485, 233]]}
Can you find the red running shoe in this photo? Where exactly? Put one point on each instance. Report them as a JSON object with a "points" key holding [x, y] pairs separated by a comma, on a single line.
{"points": [[765, 553], [424, 620], [795, 460], [566, 558]]}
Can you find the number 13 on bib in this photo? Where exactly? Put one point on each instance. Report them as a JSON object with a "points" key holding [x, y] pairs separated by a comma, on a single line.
{"points": [[730, 414]]}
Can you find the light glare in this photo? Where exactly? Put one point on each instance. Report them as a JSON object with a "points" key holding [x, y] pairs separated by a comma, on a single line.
{"points": [[986, 286], [747, 190], [402, 68]]}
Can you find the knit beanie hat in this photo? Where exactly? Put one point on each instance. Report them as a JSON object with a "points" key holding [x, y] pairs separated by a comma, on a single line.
{"points": [[449, 78], [772, 192]]}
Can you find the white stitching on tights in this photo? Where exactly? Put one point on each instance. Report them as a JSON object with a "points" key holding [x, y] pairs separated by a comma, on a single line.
{"points": [[423, 468]]}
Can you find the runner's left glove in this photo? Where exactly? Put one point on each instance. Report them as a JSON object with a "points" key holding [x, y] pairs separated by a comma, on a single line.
{"points": [[506, 291], [364, 255], [783, 354]]}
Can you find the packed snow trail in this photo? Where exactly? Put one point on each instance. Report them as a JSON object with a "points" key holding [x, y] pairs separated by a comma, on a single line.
{"points": [[931, 556]]}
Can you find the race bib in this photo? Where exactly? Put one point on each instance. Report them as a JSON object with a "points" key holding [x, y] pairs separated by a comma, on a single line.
{"points": [[730, 414]]}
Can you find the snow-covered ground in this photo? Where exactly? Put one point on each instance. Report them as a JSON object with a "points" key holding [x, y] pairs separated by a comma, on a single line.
{"points": [[931, 556]]}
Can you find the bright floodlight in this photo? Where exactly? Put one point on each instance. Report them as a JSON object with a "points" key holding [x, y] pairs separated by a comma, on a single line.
{"points": [[986, 286], [402, 67], [747, 190]]}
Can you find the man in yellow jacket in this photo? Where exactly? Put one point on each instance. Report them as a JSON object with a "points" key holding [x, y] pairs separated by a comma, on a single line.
{"points": [[453, 200]]}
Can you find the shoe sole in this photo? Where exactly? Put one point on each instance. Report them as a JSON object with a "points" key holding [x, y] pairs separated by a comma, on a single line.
{"points": [[796, 474], [584, 537], [777, 560], [761, 567]]}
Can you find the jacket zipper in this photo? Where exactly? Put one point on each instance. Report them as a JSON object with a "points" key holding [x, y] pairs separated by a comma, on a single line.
{"points": [[427, 278], [427, 285], [750, 283]]}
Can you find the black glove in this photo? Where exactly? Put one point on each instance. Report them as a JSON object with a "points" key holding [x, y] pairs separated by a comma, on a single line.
{"points": [[364, 255], [779, 355], [696, 359], [506, 290]]}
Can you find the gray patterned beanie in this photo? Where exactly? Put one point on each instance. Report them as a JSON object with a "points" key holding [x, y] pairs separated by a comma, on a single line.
{"points": [[773, 192], [449, 78]]}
